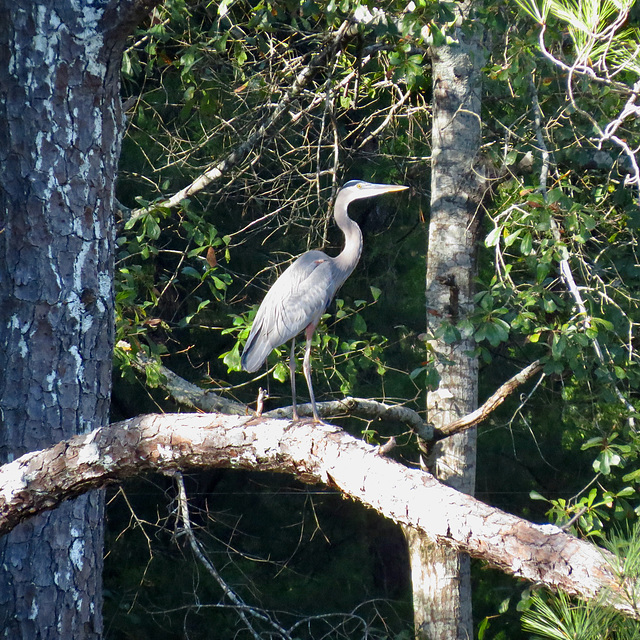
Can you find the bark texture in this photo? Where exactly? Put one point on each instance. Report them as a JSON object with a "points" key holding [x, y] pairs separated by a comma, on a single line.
{"points": [[542, 554], [60, 124], [440, 575]]}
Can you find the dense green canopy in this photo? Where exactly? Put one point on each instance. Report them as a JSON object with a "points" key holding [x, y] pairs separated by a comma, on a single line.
{"points": [[243, 119]]}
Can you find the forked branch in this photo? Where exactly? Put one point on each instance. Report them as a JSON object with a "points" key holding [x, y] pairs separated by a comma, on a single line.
{"points": [[196, 398], [488, 407]]}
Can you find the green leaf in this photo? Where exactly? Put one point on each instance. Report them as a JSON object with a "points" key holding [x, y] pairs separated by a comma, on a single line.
{"points": [[482, 628], [605, 324], [511, 157], [605, 460], [218, 283], [416, 372], [232, 358], [239, 52], [493, 238], [621, 374], [151, 227], [592, 442], [153, 375], [526, 245], [191, 272], [634, 476], [281, 372], [542, 270], [512, 237], [450, 334], [359, 325]]}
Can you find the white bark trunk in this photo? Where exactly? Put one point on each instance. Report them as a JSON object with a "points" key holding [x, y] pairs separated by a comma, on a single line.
{"points": [[441, 575]]}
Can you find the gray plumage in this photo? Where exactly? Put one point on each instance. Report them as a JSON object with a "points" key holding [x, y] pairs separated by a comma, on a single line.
{"points": [[300, 296]]}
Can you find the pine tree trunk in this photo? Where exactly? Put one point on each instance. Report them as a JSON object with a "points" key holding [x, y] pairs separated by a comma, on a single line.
{"points": [[60, 125], [441, 576]]}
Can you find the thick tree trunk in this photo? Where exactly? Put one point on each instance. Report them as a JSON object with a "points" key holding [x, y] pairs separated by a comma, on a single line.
{"points": [[60, 124], [441, 575]]}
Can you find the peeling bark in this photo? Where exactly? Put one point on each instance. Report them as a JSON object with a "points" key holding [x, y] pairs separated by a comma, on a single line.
{"points": [[542, 554]]}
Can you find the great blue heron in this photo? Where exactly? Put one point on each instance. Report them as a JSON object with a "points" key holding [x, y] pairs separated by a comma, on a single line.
{"points": [[300, 296]]}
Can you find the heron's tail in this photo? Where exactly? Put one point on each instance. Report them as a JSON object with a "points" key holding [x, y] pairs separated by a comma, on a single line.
{"points": [[255, 351]]}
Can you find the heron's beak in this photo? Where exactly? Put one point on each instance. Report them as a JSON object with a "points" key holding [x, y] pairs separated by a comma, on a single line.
{"points": [[378, 189]]}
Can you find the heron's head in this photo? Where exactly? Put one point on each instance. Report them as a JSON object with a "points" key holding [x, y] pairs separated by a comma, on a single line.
{"points": [[358, 189]]}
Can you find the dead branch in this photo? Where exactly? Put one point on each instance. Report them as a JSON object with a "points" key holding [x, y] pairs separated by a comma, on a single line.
{"points": [[316, 454], [243, 610], [195, 398], [363, 408], [219, 168], [483, 412], [187, 394]]}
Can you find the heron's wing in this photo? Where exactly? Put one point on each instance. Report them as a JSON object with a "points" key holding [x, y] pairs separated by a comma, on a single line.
{"points": [[297, 299]]}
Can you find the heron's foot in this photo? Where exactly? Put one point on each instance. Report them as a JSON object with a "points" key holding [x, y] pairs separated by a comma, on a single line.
{"points": [[316, 419], [308, 419]]}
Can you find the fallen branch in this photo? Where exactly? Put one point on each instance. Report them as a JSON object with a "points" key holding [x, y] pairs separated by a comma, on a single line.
{"points": [[317, 454]]}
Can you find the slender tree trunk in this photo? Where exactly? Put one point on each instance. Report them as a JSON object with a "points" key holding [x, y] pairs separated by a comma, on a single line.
{"points": [[60, 125], [441, 576]]}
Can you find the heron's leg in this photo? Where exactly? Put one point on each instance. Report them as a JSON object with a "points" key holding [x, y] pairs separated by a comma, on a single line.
{"points": [[292, 375], [306, 367]]}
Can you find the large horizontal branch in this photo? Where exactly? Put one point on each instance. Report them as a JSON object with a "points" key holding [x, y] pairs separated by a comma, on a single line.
{"points": [[316, 454], [217, 169]]}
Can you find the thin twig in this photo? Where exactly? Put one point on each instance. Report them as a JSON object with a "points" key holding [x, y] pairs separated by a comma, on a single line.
{"points": [[241, 608], [565, 267]]}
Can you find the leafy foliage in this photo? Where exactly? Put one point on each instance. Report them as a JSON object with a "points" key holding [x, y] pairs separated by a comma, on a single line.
{"points": [[229, 91]]}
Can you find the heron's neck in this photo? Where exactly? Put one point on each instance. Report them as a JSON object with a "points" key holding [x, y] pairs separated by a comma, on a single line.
{"points": [[348, 258]]}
